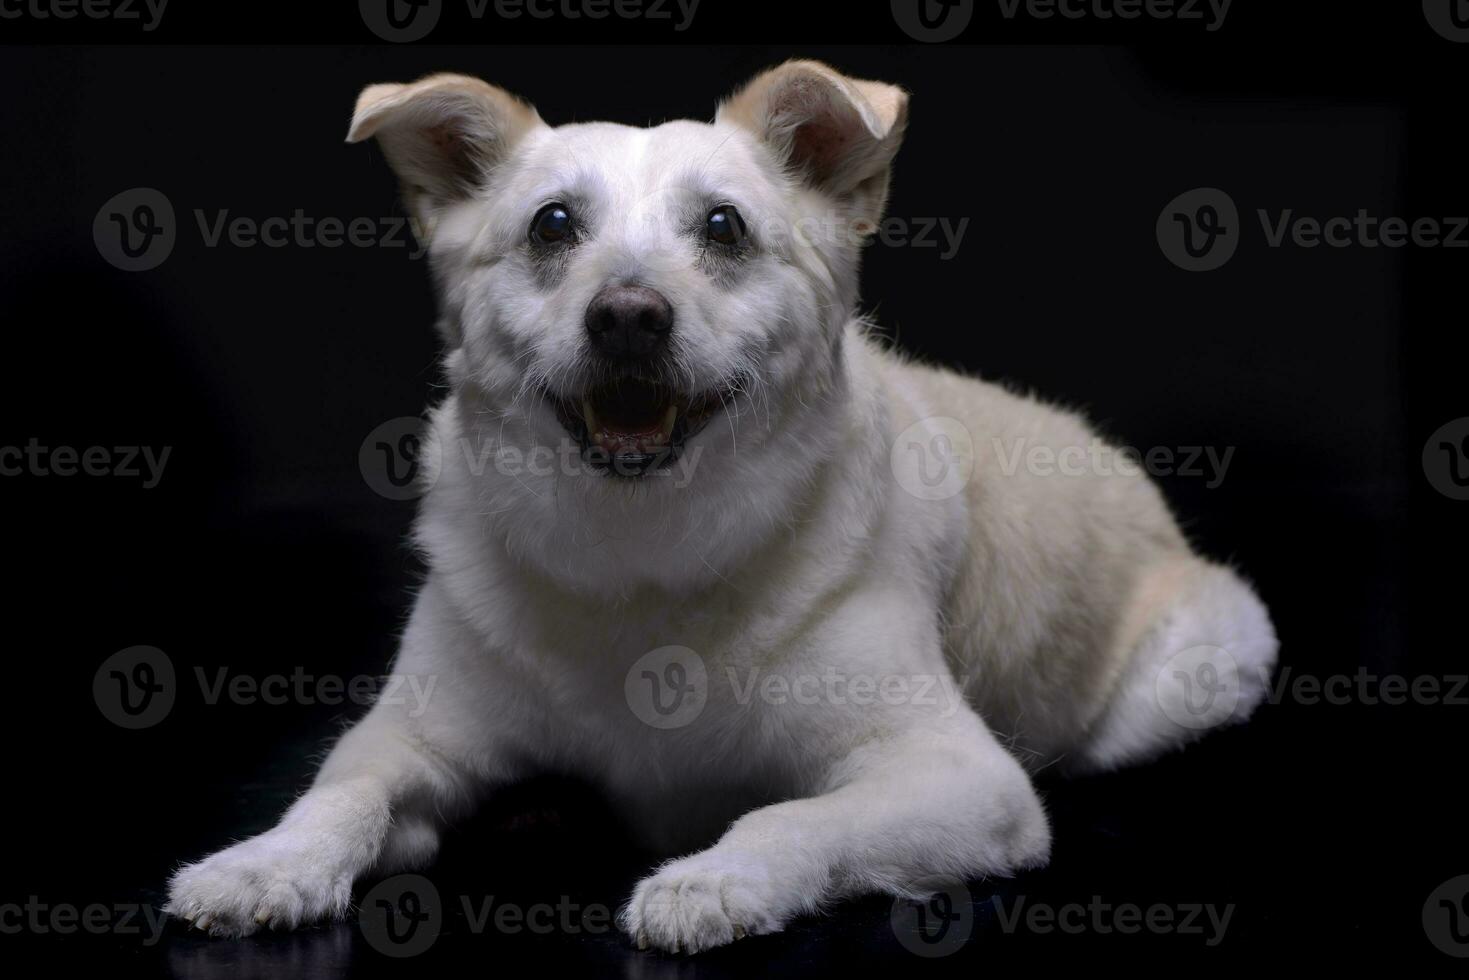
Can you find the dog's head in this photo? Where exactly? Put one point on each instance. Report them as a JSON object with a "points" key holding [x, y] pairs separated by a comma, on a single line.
{"points": [[627, 287], [644, 295]]}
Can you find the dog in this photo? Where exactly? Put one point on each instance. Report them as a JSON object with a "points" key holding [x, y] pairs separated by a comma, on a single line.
{"points": [[694, 533]]}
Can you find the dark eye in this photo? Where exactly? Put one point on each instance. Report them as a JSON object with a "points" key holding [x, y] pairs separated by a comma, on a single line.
{"points": [[552, 225], [726, 227]]}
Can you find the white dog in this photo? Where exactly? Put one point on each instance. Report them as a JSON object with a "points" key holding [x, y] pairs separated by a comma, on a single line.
{"points": [[695, 536]]}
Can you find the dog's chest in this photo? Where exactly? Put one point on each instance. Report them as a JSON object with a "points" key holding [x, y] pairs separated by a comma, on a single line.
{"points": [[670, 700]]}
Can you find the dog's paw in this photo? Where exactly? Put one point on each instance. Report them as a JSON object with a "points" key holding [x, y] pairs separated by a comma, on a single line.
{"points": [[269, 881], [700, 902]]}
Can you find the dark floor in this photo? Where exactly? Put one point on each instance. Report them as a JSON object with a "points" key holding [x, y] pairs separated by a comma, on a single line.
{"points": [[1235, 851]]}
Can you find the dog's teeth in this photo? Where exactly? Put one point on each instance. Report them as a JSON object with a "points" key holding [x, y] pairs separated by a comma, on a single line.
{"points": [[669, 417], [590, 417]]}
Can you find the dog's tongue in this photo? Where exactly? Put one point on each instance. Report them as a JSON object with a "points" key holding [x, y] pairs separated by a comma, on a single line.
{"points": [[630, 418]]}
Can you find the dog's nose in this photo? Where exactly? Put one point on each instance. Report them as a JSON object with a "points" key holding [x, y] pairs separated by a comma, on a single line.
{"points": [[629, 322]]}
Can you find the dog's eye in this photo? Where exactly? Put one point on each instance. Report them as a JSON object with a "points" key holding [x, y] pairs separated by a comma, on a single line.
{"points": [[552, 225], [726, 227]]}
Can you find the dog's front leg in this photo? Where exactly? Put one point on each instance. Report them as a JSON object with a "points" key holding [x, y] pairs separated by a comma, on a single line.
{"points": [[377, 804], [936, 802], [371, 806]]}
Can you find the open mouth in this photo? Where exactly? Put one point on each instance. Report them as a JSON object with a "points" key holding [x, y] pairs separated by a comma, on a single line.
{"points": [[629, 426]]}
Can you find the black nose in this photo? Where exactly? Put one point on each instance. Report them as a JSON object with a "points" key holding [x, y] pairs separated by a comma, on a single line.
{"points": [[629, 322]]}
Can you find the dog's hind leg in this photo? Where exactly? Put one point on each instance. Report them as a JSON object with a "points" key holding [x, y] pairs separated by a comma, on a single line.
{"points": [[1196, 651]]}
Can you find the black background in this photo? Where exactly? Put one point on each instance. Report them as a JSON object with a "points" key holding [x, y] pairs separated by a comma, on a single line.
{"points": [[263, 549]]}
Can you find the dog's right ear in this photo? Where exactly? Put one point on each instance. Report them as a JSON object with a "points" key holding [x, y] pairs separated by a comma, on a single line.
{"points": [[839, 134], [442, 135]]}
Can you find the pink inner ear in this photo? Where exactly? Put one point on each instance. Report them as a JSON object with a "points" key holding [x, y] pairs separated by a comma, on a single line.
{"points": [[819, 146], [449, 142], [824, 132], [444, 138]]}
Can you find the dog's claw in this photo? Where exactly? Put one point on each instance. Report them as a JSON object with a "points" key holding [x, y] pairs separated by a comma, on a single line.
{"points": [[642, 940], [739, 932]]}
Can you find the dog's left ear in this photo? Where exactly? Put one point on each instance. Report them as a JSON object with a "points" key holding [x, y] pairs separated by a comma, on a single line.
{"points": [[839, 134], [443, 135]]}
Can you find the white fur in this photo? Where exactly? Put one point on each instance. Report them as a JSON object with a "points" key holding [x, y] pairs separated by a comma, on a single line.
{"points": [[1044, 606]]}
